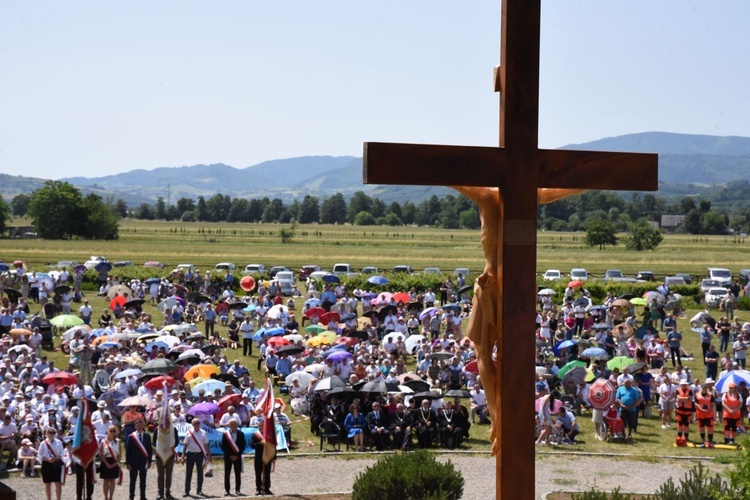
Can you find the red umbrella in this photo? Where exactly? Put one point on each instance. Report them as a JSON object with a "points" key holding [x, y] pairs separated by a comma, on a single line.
{"points": [[331, 316], [555, 406], [229, 400], [247, 283], [120, 299], [602, 394], [277, 342], [158, 382], [402, 297], [348, 341], [472, 367], [315, 311], [575, 283], [64, 378]]}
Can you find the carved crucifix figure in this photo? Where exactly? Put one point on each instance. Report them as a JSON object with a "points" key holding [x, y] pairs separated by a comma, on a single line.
{"points": [[507, 183]]}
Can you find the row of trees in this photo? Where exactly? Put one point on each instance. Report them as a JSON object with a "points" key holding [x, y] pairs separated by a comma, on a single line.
{"points": [[641, 235]]}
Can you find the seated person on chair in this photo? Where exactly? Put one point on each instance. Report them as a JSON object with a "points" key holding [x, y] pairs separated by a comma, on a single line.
{"points": [[283, 420], [449, 425], [377, 423]]}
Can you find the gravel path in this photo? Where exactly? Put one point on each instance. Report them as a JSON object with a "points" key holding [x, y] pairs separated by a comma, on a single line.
{"points": [[309, 475]]}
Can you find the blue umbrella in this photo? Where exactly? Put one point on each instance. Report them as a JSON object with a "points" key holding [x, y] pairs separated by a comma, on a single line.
{"points": [[273, 332], [109, 345], [152, 281], [565, 344], [258, 336], [156, 345], [734, 376], [378, 280], [4, 267], [339, 355], [594, 353], [348, 316], [330, 278], [209, 386], [451, 307], [102, 266], [336, 348], [250, 308], [368, 295], [97, 333]]}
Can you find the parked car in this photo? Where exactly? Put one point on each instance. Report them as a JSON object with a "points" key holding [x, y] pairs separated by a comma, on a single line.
{"points": [[276, 269], [685, 276], [93, 261], [720, 274], [431, 270], [154, 264], [707, 284], [403, 269], [552, 275], [645, 276], [122, 263], [744, 277], [224, 266], [578, 273], [370, 270], [69, 264], [307, 270], [254, 269], [463, 271], [343, 269], [612, 275], [286, 282], [714, 296], [674, 280]]}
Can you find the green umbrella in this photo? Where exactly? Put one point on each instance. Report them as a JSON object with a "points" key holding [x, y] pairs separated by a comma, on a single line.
{"points": [[159, 365], [565, 369], [316, 328], [638, 301], [66, 321], [619, 362]]}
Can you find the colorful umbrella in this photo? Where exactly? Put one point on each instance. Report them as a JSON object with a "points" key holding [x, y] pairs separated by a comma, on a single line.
{"points": [[247, 283], [575, 283], [17, 332], [619, 362], [330, 336], [201, 371], [430, 311], [378, 280], [63, 378], [569, 366], [316, 328], [277, 342], [602, 394], [594, 353], [135, 401], [204, 409], [315, 311], [229, 400], [159, 365], [117, 301], [158, 382], [638, 301], [339, 356], [66, 321], [402, 297], [119, 290], [330, 317], [734, 376]]}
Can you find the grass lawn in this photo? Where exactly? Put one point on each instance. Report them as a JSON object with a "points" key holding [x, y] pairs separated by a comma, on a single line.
{"points": [[204, 245]]}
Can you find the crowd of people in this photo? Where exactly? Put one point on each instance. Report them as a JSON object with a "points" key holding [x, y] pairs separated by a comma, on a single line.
{"points": [[343, 341], [639, 350]]}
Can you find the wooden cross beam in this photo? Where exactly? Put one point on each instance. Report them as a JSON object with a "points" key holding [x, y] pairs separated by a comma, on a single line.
{"points": [[520, 171]]}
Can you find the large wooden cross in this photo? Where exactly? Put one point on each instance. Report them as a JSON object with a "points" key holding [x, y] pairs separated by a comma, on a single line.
{"points": [[520, 171]]}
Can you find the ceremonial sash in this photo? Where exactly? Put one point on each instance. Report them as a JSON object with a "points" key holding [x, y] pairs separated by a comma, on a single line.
{"points": [[111, 454], [134, 436], [197, 443], [231, 442], [64, 471]]}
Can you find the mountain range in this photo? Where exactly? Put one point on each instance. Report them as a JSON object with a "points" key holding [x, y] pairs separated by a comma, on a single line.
{"points": [[686, 164]]}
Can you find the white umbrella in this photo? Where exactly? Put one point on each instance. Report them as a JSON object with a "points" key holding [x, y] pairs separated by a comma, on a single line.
{"points": [[547, 291], [181, 329], [405, 389], [192, 353], [304, 379], [70, 333], [392, 337], [118, 336], [316, 368], [167, 303], [136, 401], [294, 338], [412, 342], [19, 348], [170, 340], [119, 290], [131, 372], [276, 311]]}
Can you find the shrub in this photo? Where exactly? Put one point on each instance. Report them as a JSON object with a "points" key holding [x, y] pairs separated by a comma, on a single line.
{"points": [[412, 476], [744, 304], [593, 494]]}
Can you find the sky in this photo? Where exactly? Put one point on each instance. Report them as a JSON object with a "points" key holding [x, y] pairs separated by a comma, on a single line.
{"points": [[97, 88]]}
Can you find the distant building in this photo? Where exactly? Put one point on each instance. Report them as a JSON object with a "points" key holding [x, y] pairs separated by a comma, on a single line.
{"points": [[671, 222]]}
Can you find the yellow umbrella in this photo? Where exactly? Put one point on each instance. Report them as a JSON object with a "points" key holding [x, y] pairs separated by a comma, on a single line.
{"points": [[197, 381], [135, 361], [363, 322], [201, 371], [17, 332], [317, 341], [331, 336]]}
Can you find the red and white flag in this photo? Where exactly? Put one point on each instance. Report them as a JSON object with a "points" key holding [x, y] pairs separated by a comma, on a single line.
{"points": [[265, 403]]}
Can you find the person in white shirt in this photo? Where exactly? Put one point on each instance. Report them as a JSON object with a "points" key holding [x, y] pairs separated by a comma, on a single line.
{"points": [[231, 414], [51, 455], [401, 326], [194, 452], [667, 401], [86, 311]]}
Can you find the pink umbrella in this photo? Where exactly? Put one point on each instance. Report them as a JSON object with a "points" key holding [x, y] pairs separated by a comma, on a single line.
{"points": [[555, 406]]}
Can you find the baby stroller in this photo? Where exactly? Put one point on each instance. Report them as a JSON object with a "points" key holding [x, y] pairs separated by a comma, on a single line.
{"points": [[614, 427]]}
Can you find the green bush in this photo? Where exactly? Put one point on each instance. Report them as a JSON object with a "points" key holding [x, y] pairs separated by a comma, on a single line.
{"points": [[593, 494], [744, 304], [411, 476], [697, 484]]}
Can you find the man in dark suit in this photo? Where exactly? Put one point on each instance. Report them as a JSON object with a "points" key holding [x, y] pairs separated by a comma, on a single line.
{"points": [[400, 426], [262, 471], [425, 421], [449, 423], [377, 423], [138, 453], [233, 445]]}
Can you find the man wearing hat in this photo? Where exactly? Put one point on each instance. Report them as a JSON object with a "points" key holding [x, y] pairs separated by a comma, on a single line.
{"points": [[705, 409]]}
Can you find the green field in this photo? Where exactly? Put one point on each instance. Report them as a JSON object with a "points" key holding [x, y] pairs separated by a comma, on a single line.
{"points": [[174, 243], [206, 244]]}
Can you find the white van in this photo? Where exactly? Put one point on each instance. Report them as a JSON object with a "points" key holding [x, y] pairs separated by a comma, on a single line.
{"points": [[285, 280], [720, 274], [579, 274]]}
